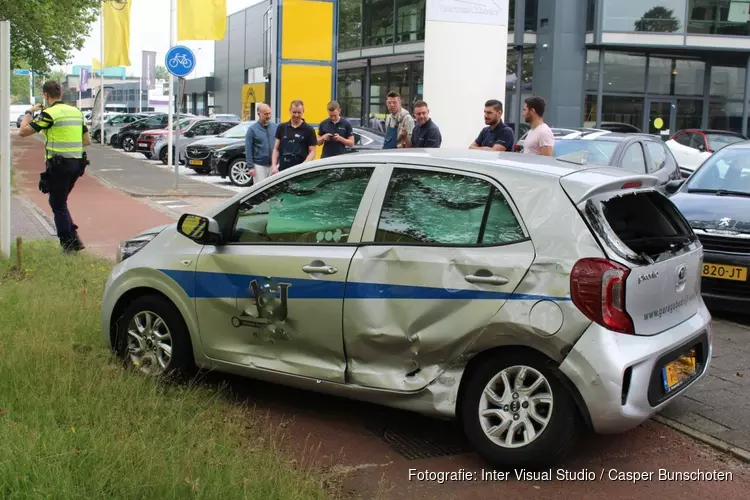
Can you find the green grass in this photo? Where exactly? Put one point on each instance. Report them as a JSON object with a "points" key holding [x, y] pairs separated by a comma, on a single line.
{"points": [[75, 425]]}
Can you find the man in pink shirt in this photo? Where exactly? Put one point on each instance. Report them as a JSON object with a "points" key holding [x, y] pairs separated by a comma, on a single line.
{"points": [[541, 140]]}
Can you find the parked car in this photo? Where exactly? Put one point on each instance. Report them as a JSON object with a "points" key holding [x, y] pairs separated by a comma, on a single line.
{"points": [[619, 127], [197, 130], [147, 138], [638, 153], [435, 282], [127, 136], [19, 120], [715, 200], [691, 147], [560, 133], [227, 117], [200, 152], [114, 123], [365, 140]]}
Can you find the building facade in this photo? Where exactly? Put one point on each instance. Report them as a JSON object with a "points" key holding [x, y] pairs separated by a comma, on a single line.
{"points": [[685, 61]]}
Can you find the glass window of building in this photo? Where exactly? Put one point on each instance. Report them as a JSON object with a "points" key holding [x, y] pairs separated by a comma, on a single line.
{"points": [[719, 17], [350, 24], [689, 77], [377, 22], [727, 82], [592, 70], [689, 114], [349, 93], [659, 76], [590, 15], [624, 72], [410, 20], [725, 116], [661, 16], [617, 109]]}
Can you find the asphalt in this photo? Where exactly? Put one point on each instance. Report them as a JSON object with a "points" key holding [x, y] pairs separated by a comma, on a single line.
{"points": [[138, 178]]}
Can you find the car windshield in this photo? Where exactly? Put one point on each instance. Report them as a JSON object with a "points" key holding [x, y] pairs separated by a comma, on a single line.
{"points": [[718, 141], [183, 123], [725, 172], [236, 132], [599, 152]]}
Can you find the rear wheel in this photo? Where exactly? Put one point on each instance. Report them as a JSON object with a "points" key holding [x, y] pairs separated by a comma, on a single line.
{"points": [[517, 413], [239, 173], [163, 157]]}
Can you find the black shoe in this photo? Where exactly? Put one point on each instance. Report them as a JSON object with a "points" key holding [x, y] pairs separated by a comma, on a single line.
{"points": [[72, 245]]}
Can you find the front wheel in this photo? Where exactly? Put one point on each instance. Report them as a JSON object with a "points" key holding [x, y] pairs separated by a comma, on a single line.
{"points": [[154, 338], [239, 173], [517, 413], [128, 143]]}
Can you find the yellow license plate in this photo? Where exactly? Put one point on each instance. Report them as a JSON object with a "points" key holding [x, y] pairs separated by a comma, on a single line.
{"points": [[196, 162], [679, 370], [723, 272]]}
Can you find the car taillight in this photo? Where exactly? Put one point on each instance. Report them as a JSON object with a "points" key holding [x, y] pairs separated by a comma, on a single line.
{"points": [[597, 288], [630, 185]]}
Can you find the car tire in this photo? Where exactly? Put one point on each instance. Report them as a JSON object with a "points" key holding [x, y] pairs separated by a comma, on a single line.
{"points": [[163, 157], [147, 355], [556, 420], [114, 141], [128, 143], [96, 136], [239, 174]]}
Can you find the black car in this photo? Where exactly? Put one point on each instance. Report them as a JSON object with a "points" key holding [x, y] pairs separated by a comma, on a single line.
{"points": [[229, 161], [639, 153], [715, 200], [199, 154], [127, 135]]}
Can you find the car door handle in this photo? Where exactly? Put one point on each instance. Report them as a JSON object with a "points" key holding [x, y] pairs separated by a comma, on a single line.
{"points": [[487, 280], [310, 269]]}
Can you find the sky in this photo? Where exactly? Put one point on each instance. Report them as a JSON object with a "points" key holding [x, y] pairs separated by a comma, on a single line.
{"points": [[149, 30]]}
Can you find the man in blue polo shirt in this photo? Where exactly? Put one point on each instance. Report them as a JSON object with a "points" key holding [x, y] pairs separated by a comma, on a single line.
{"points": [[496, 136], [335, 133]]}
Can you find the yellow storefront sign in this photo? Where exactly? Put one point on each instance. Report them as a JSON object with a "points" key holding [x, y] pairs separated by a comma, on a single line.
{"points": [[252, 94]]}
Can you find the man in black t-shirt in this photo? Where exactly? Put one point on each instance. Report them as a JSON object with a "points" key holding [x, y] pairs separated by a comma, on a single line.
{"points": [[496, 136], [335, 133], [295, 141]]}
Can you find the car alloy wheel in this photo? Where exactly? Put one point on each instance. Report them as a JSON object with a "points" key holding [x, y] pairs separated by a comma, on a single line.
{"points": [[149, 343], [163, 155], [515, 406], [153, 337], [239, 173], [128, 144], [516, 410]]}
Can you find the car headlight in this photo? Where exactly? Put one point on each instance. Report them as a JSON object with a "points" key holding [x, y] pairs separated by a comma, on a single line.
{"points": [[219, 154], [130, 247]]}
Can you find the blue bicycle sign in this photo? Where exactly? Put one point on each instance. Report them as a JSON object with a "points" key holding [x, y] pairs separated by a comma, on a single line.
{"points": [[180, 61]]}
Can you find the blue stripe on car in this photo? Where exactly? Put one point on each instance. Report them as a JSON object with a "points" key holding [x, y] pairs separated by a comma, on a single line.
{"points": [[210, 285]]}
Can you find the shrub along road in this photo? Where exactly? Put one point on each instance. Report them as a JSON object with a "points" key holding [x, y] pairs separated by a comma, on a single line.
{"points": [[370, 449]]}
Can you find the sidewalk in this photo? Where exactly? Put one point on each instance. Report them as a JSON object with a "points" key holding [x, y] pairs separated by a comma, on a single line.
{"points": [[719, 405], [27, 222], [105, 215]]}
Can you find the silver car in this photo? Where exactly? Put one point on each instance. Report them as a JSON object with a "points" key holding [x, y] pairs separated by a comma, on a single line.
{"points": [[527, 297], [200, 128]]}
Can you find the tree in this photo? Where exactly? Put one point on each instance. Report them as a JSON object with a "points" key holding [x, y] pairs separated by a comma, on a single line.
{"points": [[44, 33], [659, 19], [162, 73]]}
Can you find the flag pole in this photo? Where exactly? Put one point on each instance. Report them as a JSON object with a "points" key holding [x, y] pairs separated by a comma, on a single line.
{"points": [[101, 78], [140, 87], [170, 123]]}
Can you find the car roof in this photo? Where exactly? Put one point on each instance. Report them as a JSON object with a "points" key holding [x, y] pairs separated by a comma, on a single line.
{"points": [[612, 137], [712, 131], [738, 145]]}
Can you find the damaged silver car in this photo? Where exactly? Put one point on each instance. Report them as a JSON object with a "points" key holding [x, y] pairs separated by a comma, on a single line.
{"points": [[528, 297]]}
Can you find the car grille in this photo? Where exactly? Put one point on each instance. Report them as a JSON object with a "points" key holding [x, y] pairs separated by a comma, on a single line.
{"points": [[715, 286], [198, 153], [724, 243]]}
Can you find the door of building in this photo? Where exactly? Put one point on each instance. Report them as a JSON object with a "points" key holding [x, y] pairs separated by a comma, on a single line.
{"points": [[661, 117]]}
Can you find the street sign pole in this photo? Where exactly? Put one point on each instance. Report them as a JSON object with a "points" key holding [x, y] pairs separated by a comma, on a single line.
{"points": [[5, 153], [180, 62]]}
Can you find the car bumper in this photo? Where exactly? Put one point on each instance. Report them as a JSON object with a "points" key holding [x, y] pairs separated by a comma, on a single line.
{"points": [[726, 294], [198, 163], [143, 147], [220, 166], [619, 377]]}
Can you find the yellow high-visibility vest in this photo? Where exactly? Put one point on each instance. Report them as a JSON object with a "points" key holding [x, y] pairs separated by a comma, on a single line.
{"points": [[65, 135]]}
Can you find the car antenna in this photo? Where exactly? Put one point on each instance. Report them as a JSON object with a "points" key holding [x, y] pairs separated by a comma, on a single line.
{"points": [[577, 158]]}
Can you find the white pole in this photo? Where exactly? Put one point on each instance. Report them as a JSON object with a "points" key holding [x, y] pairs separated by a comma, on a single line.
{"points": [[5, 152], [170, 123], [101, 76], [31, 86], [140, 87]]}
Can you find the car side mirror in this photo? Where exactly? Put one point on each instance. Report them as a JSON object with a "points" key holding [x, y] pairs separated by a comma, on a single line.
{"points": [[701, 148], [200, 229], [674, 185]]}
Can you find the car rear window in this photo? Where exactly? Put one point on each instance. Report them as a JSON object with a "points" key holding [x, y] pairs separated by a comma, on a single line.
{"points": [[648, 223], [599, 152]]}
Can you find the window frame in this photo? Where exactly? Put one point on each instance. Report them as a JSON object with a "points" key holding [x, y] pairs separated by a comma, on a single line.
{"points": [[650, 160], [643, 154], [376, 210], [360, 218]]}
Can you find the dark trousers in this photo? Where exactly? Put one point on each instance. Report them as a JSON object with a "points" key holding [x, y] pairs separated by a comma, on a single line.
{"points": [[61, 179]]}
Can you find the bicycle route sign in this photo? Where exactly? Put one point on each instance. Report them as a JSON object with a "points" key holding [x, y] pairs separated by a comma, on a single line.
{"points": [[180, 61]]}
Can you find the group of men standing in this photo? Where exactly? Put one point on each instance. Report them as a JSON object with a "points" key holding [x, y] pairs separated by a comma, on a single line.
{"points": [[271, 148]]}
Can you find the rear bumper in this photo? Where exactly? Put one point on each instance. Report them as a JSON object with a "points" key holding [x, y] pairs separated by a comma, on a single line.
{"points": [[143, 146], [619, 377]]}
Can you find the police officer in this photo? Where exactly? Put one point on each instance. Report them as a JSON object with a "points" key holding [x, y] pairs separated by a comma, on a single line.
{"points": [[295, 141], [65, 137]]}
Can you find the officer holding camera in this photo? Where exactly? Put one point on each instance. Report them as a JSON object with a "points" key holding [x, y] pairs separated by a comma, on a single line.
{"points": [[66, 135]]}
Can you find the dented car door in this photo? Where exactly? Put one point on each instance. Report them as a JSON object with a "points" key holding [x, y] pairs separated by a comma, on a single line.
{"points": [[441, 253], [272, 297]]}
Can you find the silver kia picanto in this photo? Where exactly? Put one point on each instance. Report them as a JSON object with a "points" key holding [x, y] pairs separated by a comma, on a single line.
{"points": [[528, 297]]}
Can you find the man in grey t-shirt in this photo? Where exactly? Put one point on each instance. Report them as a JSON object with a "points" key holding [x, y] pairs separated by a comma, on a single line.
{"points": [[540, 140]]}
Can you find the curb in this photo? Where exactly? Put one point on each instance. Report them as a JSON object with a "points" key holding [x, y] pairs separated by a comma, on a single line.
{"points": [[161, 194], [720, 445], [38, 214]]}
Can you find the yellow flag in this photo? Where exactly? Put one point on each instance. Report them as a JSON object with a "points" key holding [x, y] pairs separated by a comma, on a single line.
{"points": [[201, 19], [96, 64], [116, 33]]}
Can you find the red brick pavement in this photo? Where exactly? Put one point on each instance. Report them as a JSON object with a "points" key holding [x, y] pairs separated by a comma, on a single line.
{"points": [[104, 215]]}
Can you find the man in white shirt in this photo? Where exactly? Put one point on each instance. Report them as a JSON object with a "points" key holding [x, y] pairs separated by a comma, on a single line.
{"points": [[541, 140]]}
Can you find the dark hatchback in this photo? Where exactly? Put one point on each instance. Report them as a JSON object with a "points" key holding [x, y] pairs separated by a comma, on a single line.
{"points": [[715, 200], [639, 153], [230, 160]]}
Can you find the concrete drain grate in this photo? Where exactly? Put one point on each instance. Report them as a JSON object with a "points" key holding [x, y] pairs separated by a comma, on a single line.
{"points": [[427, 441]]}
